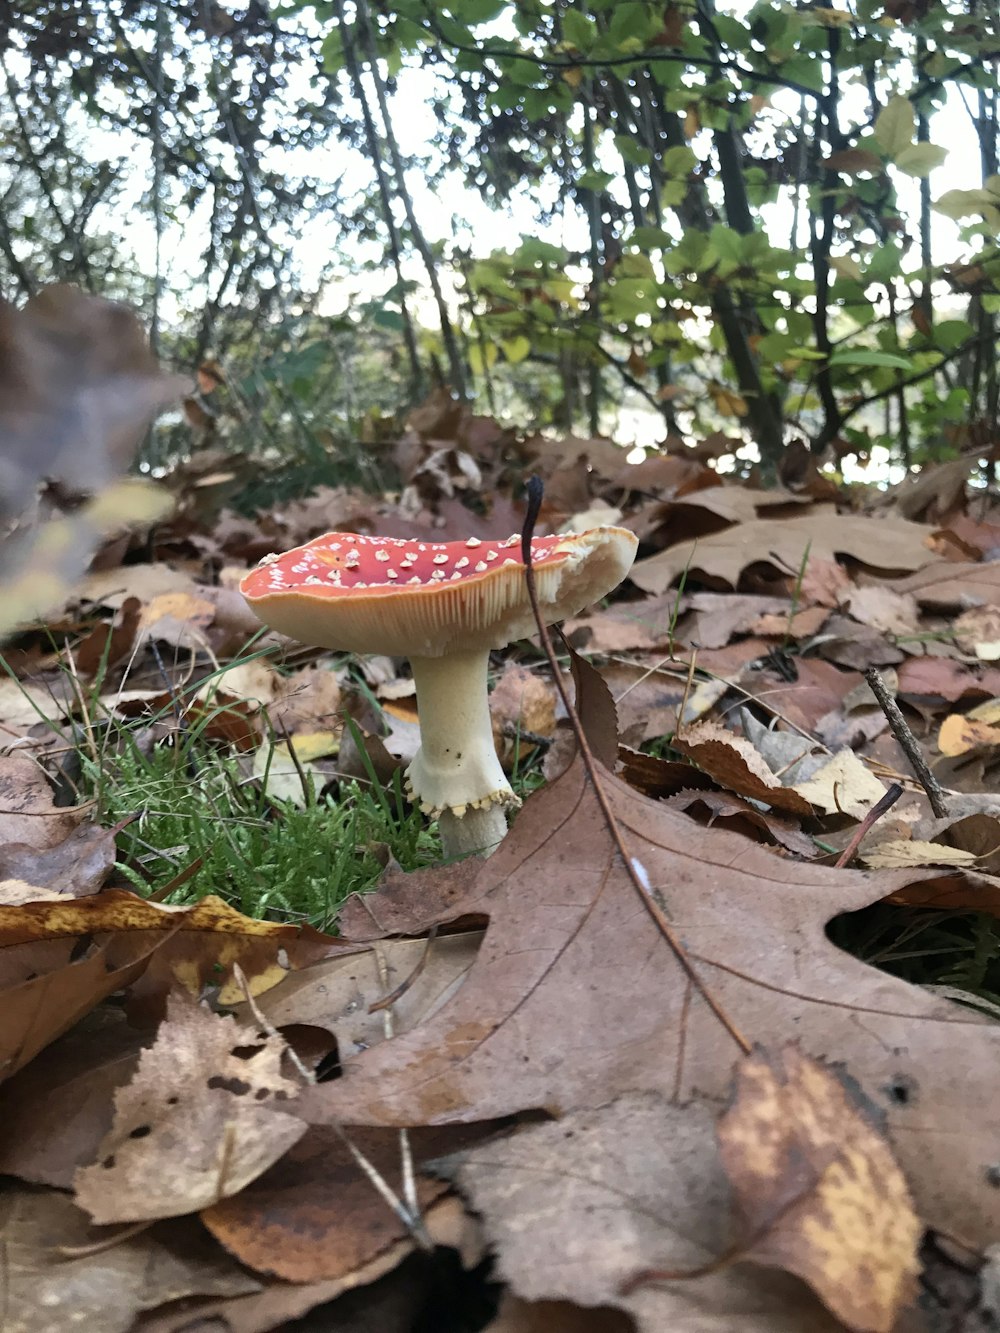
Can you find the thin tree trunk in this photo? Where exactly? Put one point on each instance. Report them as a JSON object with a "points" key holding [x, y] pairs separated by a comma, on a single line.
{"points": [[375, 154], [455, 367]]}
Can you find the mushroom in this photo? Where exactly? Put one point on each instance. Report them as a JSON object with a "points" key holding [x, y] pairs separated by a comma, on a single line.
{"points": [[443, 605]]}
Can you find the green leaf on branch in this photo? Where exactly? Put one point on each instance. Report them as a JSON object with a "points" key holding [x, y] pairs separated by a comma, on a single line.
{"points": [[920, 159], [516, 349], [866, 356], [895, 126]]}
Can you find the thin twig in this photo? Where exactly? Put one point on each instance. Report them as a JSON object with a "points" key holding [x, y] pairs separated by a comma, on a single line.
{"points": [[884, 803], [634, 868], [908, 742], [387, 1001], [412, 1203]]}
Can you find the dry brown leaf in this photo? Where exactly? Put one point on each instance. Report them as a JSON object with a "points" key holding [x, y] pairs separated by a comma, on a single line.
{"points": [[885, 610], [896, 853], [108, 644], [627, 1013], [893, 545], [47, 1290], [113, 587], [337, 995], [177, 618], [944, 586], [58, 1109], [315, 1215], [736, 765], [310, 700], [517, 1316], [959, 733], [575, 1209], [844, 785], [942, 678], [819, 1188], [382, 1297], [723, 810], [200, 1119], [522, 700], [73, 868], [49, 983], [28, 813]]}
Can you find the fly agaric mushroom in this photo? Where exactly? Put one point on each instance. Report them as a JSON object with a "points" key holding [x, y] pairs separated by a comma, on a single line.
{"points": [[443, 605]]}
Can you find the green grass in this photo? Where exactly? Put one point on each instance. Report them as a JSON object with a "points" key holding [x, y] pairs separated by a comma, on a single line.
{"points": [[191, 803]]}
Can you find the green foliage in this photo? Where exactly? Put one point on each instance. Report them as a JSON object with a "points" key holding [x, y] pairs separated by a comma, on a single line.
{"points": [[751, 202]]}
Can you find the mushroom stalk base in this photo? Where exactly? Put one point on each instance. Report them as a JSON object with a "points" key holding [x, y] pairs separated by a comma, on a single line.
{"points": [[456, 775], [476, 831]]}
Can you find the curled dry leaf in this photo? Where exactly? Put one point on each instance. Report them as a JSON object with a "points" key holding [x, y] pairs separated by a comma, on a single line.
{"points": [[629, 1017], [59, 959], [200, 1119], [48, 983], [738, 766], [819, 1188]]}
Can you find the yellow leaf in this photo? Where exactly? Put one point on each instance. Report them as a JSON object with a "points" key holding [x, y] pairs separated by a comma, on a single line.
{"points": [[959, 734], [516, 349]]}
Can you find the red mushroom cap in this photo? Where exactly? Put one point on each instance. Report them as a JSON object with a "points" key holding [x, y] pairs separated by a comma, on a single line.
{"points": [[417, 598]]}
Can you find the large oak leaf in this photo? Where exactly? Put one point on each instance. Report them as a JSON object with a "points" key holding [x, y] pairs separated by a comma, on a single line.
{"points": [[576, 996]]}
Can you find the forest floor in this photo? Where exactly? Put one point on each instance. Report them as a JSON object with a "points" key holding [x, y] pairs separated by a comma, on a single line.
{"points": [[728, 987]]}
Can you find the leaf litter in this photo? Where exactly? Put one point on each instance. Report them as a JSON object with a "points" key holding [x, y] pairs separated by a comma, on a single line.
{"points": [[605, 1035]]}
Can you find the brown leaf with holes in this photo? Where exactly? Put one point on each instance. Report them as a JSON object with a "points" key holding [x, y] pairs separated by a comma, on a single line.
{"points": [[819, 1188], [202, 1117], [754, 929]]}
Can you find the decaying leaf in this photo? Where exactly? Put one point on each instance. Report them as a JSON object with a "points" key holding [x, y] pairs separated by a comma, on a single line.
{"points": [[57, 1110], [819, 1188], [843, 785], [200, 1119], [28, 813]]}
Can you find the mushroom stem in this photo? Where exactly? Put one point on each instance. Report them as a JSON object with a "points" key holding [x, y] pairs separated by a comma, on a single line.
{"points": [[481, 830], [456, 774]]}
